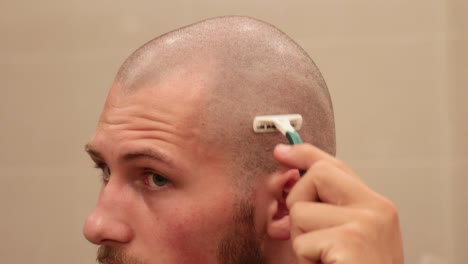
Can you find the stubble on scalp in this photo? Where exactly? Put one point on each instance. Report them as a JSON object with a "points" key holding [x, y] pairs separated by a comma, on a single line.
{"points": [[254, 69]]}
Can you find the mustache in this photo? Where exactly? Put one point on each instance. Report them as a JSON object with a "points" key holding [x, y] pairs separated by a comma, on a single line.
{"points": [[113, 255]]}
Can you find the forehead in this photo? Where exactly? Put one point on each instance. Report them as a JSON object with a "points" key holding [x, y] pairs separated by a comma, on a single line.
{"points": [[164, 114], [180, 93]]}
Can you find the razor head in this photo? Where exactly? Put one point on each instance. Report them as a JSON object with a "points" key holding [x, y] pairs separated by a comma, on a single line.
{"points": [[274, 123]]}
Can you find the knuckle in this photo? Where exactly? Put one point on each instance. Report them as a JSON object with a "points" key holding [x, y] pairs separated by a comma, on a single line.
{"points": [[354, 231], [389, 210], [385, 209], [355, 237], [321, 170], [383, 215], [340, 164], [299, 246], [321, 166], [297, 210], [371, 218], [358, 235]]}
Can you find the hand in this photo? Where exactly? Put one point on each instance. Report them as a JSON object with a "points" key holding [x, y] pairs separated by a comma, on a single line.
{"points": [[335, 218]]}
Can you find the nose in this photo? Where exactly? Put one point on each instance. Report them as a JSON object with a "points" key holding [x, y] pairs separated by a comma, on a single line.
{"points": [[107, 224]]}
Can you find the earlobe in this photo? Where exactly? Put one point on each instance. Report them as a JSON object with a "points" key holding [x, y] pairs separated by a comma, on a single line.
{"points": [[278, 214], [279, 225]]}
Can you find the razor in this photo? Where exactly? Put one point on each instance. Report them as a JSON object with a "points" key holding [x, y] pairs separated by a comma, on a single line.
{"points": [[286, 124]]}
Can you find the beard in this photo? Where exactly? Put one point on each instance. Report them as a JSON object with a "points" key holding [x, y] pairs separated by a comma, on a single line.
{"points": [[240, 245], [107, 254]]}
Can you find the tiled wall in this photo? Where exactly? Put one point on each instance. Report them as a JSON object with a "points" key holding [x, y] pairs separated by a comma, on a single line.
{"points": [[397, 71]]}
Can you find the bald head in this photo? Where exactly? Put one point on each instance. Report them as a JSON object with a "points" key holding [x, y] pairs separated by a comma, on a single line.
{"points": [[251, 68]]}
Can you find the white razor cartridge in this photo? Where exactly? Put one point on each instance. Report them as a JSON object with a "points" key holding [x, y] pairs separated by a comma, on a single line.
{"points": [[273, 123]]}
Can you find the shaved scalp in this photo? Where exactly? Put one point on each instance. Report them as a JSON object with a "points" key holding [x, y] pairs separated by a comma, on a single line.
{"points": [[254, 69]]}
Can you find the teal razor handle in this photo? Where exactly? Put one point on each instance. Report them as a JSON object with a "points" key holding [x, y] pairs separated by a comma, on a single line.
{"points": [[294, 139]]}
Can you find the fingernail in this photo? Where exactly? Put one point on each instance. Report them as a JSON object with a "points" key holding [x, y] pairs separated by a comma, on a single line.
{"points": [[282, 148]]}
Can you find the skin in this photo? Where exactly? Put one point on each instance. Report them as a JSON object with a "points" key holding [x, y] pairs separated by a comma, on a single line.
{"points": [[201, 213], [334, 216], [140, 218]]}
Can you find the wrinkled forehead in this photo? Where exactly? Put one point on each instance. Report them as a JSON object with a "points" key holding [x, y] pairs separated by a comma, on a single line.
{"points": [[181, 92], [166, 114]]}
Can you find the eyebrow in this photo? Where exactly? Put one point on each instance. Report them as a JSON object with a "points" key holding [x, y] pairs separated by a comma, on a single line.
{"points": [[144, 153]]}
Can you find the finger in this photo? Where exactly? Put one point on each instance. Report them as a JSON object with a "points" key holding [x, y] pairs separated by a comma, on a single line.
{"points": [[327, 246], [310, 247], [303, 156], [309, 217], [327, 183]]}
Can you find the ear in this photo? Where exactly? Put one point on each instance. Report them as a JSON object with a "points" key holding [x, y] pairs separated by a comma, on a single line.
{"points": [[279, 186]]}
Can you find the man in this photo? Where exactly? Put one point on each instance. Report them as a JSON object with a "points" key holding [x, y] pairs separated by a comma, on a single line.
{"points": [[186, 180]]}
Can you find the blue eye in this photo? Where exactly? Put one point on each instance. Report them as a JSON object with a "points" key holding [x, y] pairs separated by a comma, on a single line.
{"points": [[156, 180]]}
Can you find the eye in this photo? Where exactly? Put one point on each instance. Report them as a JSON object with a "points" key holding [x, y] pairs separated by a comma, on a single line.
{"points": [[105, 171], [155, 180]]}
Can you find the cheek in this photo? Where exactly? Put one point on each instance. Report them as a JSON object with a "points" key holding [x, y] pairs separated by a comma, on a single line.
{"points": [[193, 230], [190, 238]]}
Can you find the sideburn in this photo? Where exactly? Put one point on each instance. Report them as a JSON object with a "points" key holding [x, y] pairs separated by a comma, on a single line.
{"points": [[242, 244]]}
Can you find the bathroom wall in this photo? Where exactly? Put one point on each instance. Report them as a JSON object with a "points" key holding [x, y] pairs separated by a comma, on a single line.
{"points": [[397, 72]]}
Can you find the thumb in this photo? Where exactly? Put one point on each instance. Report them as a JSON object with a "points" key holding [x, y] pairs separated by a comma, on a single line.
{"points": [[303, 156], [300, 156]]}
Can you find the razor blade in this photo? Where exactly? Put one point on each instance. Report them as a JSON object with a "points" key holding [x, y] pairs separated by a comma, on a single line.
{"points": [[273, 123]]}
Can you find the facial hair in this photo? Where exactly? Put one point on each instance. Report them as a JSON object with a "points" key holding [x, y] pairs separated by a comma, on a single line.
{"points": [[240, 245], [107, 254]]}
